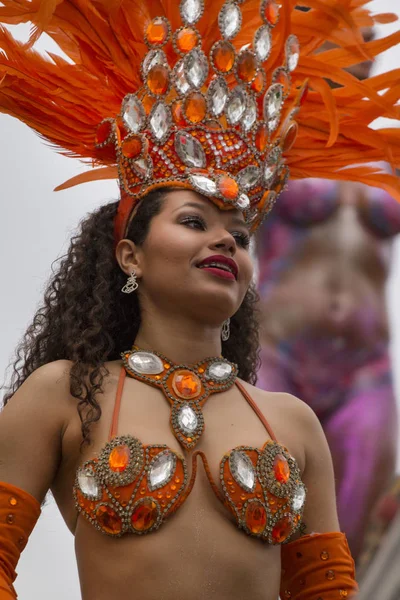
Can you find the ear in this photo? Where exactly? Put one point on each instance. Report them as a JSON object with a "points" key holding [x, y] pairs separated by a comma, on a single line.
{"points": [[128, 256]]}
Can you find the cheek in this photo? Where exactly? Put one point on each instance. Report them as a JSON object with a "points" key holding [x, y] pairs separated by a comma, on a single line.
{"points": [[166, 250]]}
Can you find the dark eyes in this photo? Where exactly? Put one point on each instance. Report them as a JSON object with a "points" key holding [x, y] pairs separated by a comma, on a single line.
{"points": [[195, 222]]}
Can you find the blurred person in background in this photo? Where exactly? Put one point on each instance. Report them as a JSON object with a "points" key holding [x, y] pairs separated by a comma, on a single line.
{"points": [[324, 257]]}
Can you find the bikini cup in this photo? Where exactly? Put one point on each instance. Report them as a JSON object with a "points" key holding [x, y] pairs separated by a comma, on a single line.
{"points": [[312, 201], [133, 488]]}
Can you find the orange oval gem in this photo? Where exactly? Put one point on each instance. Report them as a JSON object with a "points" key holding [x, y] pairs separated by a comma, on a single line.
{"points": [[13, 501], [108, 520], [157, 32], [228, 187], [158, 79], [256, 517], [224, 56], [103, 132], [271, 11], [281, 468], [282, 530], [132, 146], [246, 66], [195, 107], [261, 138], [186, 39], [177, 115], [145, 515], [148, 103], [119, 458], [186, 384], [259, 82]]}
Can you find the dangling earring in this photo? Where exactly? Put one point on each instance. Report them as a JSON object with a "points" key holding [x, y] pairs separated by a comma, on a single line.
{"points": [[226, 331], [131, 285]]}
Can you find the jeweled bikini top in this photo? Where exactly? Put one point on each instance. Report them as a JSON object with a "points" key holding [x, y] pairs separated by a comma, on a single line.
{"points": [[133, 488]]}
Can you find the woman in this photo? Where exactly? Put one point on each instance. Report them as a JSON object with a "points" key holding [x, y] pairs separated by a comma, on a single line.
{"points": [[324, 262], [198, 168]]}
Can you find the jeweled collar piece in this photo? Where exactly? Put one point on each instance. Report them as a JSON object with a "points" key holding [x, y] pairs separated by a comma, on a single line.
{"points": [[186, 387]]}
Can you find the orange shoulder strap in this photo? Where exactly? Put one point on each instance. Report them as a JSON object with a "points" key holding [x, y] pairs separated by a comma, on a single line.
{"points": [[117, 405], [254, 406]]}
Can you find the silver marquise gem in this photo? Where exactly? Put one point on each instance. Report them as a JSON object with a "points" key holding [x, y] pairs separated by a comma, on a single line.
{"points": [[191, 10], [271, 165], [229, 20], [292, 52], [196, 68], [187, 420], [273, 101], [160, 120], [219, 371], [236, 105], [263, 43], [145, 363], [161, 470], [190, 150], [248, 177], [242, 470], [133, 113], [204, 184], [143, 167], [217, 96], [152, 58], [299, 497], [181, 82], [250, 115], [88, 483], [243, 202]]}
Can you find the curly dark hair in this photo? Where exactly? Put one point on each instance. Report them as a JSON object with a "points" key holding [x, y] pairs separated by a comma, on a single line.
{"points": [[86, 319]]}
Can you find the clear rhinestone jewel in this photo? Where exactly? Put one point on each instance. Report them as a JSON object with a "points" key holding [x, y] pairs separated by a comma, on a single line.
{"points": [[299, 498], [154, 57], [243, 202], [249, 177], [180, 78], [143, 167], [236, 105], [88, 483], [263, 42], [242, 470], [250, 115], [145, 363], [219, 371], [196, 68], [204, 184], [229, 20], [292, 52], [217, 96], [133, 113], [190, 150], [191, 10], [160, 120], [271, 165], [161, 470], [273, 101], [187, 420]]}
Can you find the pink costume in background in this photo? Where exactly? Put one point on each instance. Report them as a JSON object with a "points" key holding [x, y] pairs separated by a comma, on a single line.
{"points": [[342, 371]]}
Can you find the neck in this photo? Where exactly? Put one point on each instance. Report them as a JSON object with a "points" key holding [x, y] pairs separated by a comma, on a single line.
{"points": [[181, 340]]}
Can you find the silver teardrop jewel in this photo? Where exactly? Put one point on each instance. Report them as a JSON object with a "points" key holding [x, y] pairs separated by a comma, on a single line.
{"points": [[131, 285], [226, 331]]}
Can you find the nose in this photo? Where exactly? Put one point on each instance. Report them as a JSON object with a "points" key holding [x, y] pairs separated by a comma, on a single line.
{"points": [[225, 241]]}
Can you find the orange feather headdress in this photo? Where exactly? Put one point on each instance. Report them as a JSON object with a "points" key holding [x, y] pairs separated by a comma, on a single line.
{"points": [[209, 95]]}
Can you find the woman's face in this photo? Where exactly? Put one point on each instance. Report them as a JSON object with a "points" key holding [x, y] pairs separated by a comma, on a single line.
{"points": [[195, 259]]}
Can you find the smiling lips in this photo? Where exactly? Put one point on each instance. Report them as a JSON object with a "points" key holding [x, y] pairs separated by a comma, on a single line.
{"points": [[220, 266]]}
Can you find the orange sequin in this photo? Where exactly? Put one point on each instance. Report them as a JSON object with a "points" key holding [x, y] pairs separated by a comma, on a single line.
{"points": [[186, 39]]}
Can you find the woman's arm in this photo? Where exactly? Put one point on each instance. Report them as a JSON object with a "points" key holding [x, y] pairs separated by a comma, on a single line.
{"points": [[31, 430], [318, 564]]}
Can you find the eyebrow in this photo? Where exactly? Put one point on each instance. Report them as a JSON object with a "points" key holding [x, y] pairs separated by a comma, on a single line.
{"points": [[235, 220]]}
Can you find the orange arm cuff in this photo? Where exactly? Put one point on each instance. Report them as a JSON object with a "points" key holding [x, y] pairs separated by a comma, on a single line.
{"points": [[318, 566], [19, 512]]}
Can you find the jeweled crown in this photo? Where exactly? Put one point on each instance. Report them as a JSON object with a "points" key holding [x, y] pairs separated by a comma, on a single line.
{"points": [[209, 123]]}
